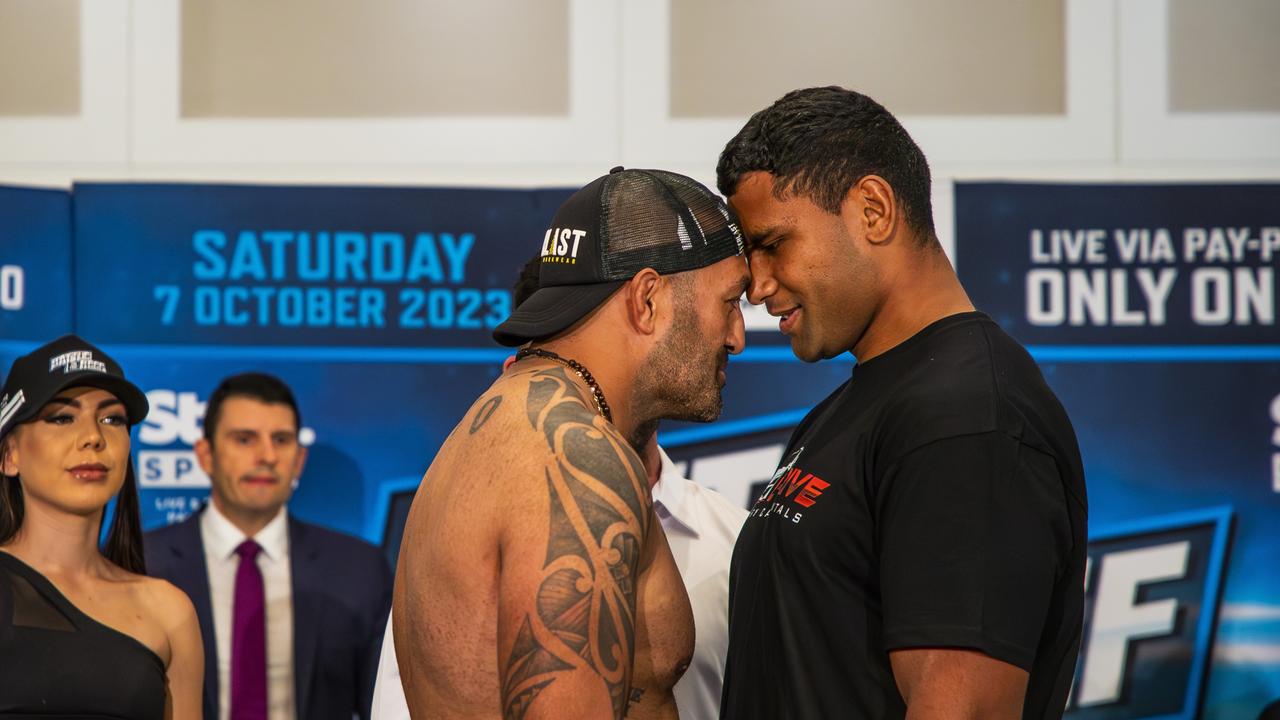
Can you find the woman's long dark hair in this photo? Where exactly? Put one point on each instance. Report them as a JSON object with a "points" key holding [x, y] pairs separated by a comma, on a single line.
{"points": [[10, 503], [124, 539]]}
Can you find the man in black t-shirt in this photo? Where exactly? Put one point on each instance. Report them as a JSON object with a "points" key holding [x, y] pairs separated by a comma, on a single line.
{"points": [[922, 545]]}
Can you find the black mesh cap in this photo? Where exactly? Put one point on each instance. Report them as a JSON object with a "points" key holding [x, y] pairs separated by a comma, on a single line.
{"points": [[612, 229]]}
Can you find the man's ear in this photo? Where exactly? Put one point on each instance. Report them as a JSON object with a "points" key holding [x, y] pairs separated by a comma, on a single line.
{"points": [[299, 462], [641, 293], [204, 456], [871, 204]]}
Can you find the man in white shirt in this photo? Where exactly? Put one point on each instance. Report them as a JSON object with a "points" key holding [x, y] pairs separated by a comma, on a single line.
{"points": [[701, 526], [288, 611]]}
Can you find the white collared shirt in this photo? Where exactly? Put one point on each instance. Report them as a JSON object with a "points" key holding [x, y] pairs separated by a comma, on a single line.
{"points": [[221, 538], [389, 702], [701, 527]]}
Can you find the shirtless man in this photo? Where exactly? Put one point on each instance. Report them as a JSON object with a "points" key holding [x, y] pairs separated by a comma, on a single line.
{"points": [[534, 580]]}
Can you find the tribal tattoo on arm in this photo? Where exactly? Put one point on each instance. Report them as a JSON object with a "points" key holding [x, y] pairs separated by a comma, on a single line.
{"points": [[585, 610], [484, 413]]}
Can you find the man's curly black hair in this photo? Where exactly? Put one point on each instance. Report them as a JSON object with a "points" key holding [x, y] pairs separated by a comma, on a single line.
{"points": [[819, 142]]}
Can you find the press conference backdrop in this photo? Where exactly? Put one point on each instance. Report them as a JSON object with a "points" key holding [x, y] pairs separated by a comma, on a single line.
{"points": [[1151, 309]]}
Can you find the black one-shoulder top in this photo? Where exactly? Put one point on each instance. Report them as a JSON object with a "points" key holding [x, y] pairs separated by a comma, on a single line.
{"points": [[57, 662]]}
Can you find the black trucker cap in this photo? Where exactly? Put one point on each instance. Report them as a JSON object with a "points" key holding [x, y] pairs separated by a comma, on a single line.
{"points": [[612, 229], [37, 377]]}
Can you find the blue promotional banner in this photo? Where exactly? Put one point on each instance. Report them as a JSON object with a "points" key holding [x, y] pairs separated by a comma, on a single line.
{"points": [[1182, 497], [321, 266], [374, 304], [1156, 581], [1123, 264], [36, 293]]}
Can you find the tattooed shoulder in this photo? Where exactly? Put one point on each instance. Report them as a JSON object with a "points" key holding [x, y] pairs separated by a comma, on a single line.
{"points": [[583, 616], [484, 413]]}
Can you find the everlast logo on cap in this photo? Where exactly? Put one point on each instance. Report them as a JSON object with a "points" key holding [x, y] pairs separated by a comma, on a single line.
{"points": [[560, 245], [76, 361]]}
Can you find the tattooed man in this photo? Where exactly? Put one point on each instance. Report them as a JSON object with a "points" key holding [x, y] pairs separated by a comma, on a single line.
{"points": [[534, 580]]}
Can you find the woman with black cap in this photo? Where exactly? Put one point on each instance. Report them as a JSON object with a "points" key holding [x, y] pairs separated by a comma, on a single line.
{"points": [[83, 631]]}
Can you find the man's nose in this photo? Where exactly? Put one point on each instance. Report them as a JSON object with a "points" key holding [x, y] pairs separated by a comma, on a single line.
{"points": [[736, 340], [762, 282]]}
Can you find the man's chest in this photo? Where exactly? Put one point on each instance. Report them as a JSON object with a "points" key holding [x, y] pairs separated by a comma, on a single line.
{"points": [[818, 509]]}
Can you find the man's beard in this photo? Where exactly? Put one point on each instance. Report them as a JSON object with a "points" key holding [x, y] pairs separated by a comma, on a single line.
{"points": [[641, 435], [680, 378]]}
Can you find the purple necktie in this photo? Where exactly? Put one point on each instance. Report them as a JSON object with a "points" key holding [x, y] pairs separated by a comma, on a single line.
{"points": [[249, 639]]}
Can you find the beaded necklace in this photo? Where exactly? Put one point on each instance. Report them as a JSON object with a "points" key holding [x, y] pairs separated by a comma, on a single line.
{"points": [[602, 405]]}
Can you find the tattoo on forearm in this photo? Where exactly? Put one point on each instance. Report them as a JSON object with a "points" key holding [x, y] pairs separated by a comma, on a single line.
{"points": [[585, 607], [485, 412]]}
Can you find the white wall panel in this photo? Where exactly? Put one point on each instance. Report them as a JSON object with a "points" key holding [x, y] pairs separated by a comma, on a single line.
{"points": [[1116, 125], [98, 134], [587, 135], [1150, 131], [1085, 133]]}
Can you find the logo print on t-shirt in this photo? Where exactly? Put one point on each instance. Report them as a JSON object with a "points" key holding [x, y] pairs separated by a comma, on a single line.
{"points": [[791, 489], [783, 469]]}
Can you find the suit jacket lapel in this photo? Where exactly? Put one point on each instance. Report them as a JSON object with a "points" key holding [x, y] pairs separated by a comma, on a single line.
{"points": [[305, 578]]}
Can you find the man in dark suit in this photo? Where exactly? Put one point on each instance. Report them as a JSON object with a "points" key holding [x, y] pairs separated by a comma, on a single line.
{"points": [[291, 613]]}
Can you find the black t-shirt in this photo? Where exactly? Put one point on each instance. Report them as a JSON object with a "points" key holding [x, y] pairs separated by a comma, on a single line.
{"points": [[936, 499]]}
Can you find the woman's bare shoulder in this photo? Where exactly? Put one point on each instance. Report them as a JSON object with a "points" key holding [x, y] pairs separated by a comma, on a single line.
{"points": [[166, 601]]}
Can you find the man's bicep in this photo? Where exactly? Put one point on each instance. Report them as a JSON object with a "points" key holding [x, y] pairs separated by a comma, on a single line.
{"points": [[567, 615], [567, 586], [958, 684]]}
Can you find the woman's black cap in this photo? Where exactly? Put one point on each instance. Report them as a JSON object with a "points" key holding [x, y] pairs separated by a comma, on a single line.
{"points": [[37, 377]]}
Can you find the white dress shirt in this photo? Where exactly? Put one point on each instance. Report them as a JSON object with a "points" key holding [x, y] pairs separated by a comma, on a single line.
{"points": [[221, 538], [701, 527], [389, 702]]}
